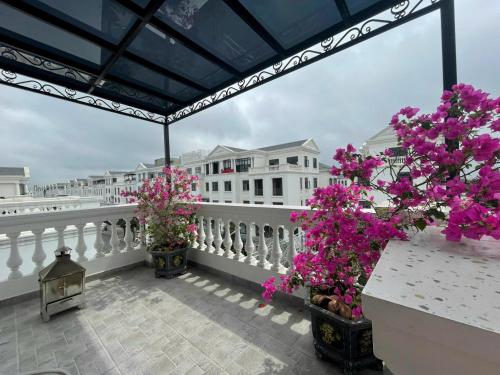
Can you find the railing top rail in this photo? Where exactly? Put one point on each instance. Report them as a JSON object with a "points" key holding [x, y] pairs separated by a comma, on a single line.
{"points": [[23, 222]]}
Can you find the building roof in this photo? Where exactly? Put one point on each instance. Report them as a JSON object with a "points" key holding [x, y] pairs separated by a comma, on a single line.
{"points": [[11, 171], [323, 166], [117, 172], [283, 145], [235, 149]]}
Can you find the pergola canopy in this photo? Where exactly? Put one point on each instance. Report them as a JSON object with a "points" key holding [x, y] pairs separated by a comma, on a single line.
{"points": [[170, 58]]}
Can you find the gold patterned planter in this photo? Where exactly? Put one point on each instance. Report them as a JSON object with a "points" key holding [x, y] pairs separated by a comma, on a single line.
{"points": [[171, 263]]}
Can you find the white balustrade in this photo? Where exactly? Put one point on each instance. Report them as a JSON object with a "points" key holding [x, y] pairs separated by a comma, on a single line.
{"points": [[210, 236], [201, 234], [129, 237], [81, 247], [21, 230], [241, 245], [217, 237], [228, 242], [15, 260], [249, 245], [39, 255], [221, 235], [115, 241]]}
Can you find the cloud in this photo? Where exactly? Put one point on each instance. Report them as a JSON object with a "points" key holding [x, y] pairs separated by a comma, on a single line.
{"points": [[342, 99]]}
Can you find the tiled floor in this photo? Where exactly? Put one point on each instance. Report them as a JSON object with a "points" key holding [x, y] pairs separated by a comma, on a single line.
{"points": [[134, 323]]}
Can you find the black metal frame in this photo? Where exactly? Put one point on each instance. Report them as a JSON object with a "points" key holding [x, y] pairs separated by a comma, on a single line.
{"points": [[85, 89]]}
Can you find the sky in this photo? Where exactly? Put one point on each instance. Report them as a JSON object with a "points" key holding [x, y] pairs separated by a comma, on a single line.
{"points": [[345, 98]]}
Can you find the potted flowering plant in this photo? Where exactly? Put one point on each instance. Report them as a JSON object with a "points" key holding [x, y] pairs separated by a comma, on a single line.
{"points": [[167, 207], [450, 177]]}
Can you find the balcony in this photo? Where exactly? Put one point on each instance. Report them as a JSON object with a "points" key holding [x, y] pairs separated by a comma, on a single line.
{"points": [[206, 321], [275, 168], [26, 205]]}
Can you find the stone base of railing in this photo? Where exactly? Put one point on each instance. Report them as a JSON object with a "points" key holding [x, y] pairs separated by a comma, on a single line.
{"points": [[109, 263]]}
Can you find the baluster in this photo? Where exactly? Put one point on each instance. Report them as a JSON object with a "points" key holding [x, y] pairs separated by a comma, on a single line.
{"points": [[263, 250], [115, 241], [99, 243], [195, 243], [218, 237], [276, 253], [201, 234], [129, 237], [60, 236], [142, 237], [14, 261], [238, 243], [39, 254], [292, 251], [210, 236], [228, 242], [249, 245], [81, 247]]}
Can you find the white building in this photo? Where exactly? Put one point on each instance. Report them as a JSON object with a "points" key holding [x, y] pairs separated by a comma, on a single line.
{"points": [[13, 181], [385, 139], [284, 174]]}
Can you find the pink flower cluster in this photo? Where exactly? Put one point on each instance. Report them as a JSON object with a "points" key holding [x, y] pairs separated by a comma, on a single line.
{"points": [[450, 176], [167, 206]]}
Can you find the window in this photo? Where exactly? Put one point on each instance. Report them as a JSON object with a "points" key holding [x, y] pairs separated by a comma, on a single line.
{"points": [[306, 183], [151, 176], [277, 187], [205, 200], [398, 151], [274, 162], [277, 203], [197, 170], [215, 186], [306, 161], [315, 182], [226, 164], [190, 170], [228, 202], [315, 163], [215, 167], [258, 202], [404, 175], [259, 187], [193, 186], [227, 185], [207, 186], [242, 165], [207, 169], [246, 202], [300, 183], [330, 181], [215, 201], [292, 160], [246, 185]]}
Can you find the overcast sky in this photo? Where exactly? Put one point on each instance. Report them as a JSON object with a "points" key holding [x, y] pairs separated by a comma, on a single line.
{"points": [[342, 99]]}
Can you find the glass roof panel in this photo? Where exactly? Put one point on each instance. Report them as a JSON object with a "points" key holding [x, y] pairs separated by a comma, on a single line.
{"points": [[215, 27], [159, 48], [290, 25], [135, 95], [105, 18], [141, 3], [50, 37], [356, 6], [140, 75]]}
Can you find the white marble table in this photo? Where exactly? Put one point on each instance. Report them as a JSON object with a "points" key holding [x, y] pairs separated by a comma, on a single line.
{"points": [[435, 306]]}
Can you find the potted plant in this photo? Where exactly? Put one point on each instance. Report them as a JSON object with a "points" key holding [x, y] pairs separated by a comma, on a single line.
{"points": [[167, 207], [450, 177]]}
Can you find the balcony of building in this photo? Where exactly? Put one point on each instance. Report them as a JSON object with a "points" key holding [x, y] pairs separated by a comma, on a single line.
{"points": [[210, 320]]}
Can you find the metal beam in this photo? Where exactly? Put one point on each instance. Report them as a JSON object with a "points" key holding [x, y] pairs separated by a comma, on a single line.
{"points": [[448, 44], [166, 144], [188, 43], [255, 25], [136, 28]]}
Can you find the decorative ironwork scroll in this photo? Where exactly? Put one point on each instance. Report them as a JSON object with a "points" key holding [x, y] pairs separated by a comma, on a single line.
{"points": [[402, 12], [11, 78]]}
